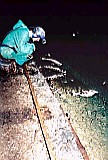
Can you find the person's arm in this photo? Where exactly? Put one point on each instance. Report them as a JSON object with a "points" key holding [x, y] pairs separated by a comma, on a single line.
{"points": [[23, 46]]}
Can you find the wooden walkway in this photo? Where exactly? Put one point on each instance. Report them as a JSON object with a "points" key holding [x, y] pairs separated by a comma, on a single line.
{"points": [[61, 139]]}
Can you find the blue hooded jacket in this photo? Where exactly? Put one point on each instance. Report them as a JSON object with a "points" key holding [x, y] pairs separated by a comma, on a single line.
{"points": [[16, 44]]}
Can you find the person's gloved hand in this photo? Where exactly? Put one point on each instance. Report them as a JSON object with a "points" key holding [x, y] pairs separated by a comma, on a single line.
{"points": [[29, 56], [33, 47]]}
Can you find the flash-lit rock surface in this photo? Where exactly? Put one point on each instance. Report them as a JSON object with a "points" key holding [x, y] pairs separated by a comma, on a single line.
{"points": [[89, 123], [20, 134]]}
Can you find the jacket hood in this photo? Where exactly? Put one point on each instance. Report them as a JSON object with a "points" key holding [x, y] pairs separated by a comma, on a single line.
{"points": [[19, 24]]}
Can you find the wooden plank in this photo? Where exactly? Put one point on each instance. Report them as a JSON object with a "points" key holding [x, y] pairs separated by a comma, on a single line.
{"points": [[49, 146], [58, 133]]}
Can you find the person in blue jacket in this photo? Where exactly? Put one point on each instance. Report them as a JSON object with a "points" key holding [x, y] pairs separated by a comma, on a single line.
{"points": [[16, 45]]}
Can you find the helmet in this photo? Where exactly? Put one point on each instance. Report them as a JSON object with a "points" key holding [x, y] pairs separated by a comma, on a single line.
{"points": [[39, 32]]}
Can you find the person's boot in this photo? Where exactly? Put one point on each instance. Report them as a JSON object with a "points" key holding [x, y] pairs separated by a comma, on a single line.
{"points": [[12, 67], [19, 70]]}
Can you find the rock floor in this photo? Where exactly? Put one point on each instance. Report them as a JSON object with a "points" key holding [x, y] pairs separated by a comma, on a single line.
{"points": [[20, 134]]}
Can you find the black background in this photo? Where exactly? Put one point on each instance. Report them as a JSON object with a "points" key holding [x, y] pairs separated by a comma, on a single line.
{"points": [[62, 17]]}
